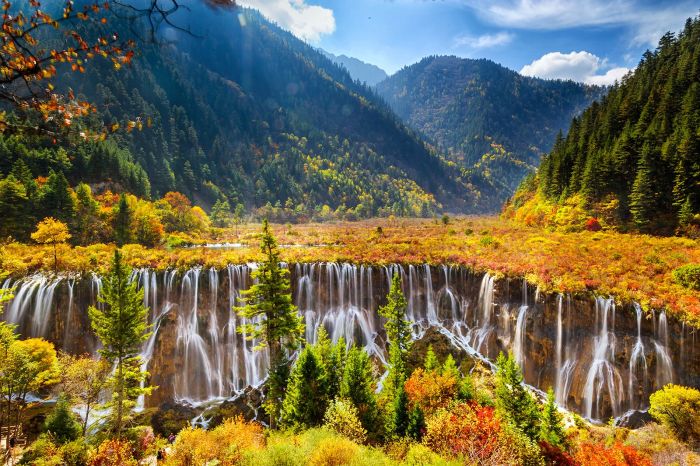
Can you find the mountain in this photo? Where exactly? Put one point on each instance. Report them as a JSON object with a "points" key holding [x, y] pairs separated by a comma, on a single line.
{"points": [[359, 70], [633, 160], [484, 116], [251, 114]]}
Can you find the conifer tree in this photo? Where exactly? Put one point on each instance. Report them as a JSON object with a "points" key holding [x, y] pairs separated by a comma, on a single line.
{"points": [[306, 396], [122, 222], [514, 401], [450, 368], [121, 325], [333, 358], [643, 196], [398, 331], [277, 325], [61, 423], [551, 428], [358, 387], [56, 199], [431, 362], [400, 412], [416, 424]]}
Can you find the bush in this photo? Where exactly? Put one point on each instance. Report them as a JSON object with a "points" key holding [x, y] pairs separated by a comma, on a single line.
{"points": [[61, 423], [76, 453], [430, 391], [343, 418], [596, 454], [592, 224], [43, 449], [114, 453], [333, 451], [688, 276], [678, 408]]}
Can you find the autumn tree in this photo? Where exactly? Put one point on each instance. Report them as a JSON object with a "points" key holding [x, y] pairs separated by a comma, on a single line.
{"points": [[272, 319], [121, 325], [53, 232], [83, 379]]}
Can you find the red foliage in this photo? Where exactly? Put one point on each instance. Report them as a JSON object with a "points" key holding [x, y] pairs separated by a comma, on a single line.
{"points": [[555, 456], [592, 224], [596, 454], [430, 390], [467, 430]]}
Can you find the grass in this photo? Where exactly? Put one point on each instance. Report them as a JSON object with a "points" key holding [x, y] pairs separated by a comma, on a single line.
{"points": [[628, 266]]}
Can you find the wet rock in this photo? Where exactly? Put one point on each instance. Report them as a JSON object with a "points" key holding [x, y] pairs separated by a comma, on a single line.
{"points": [[248, 405], [441, 347], [170, 418], [634, 419]]}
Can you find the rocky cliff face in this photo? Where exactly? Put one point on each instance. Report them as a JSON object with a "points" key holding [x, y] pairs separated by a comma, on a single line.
{"points": [[601, 359]]}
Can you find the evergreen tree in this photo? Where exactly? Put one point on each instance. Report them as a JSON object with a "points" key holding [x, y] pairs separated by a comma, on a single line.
{"points": [[123, 218], [221, 214], [122, 327], [416, 424], [514, 401], [306, 397], [398, 332], [400, 412], [450, 368], [61, 423], [551, 428], [333, 359], [686, 214], [643, 196], [277, 325], [15, 208], [56, 199], [431, 362], [86, 226], [399, 338], [358, 387]]}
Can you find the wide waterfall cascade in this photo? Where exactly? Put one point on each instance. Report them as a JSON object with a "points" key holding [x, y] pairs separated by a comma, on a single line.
{"points": [[600, 359]]}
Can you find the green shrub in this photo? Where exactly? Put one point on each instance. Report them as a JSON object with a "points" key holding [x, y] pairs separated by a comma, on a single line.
{"points": [[343, 418], [76, 453], [61, 423], [678, 408], [688, 276]]}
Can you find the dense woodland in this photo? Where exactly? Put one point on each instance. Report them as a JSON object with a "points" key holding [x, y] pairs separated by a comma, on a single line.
{"points": [[487, 118], [634, 158]]}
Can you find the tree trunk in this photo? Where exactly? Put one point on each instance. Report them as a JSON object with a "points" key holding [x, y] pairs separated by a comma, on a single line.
{"points": [[120, 396]]}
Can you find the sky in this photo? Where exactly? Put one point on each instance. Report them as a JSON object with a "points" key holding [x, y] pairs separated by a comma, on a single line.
{"points": [[591, 41]]}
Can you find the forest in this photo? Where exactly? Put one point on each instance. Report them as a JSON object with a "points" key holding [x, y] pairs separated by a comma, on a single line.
{"points": [[630, 160]]}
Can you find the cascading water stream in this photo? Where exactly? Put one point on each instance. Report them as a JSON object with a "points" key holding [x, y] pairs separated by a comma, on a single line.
{"points": [[197, 352]]}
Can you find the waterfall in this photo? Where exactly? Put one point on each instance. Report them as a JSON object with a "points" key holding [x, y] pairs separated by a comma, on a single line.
{"points": [[664, 365], [638, 363], [603, 376], [196, 351]]}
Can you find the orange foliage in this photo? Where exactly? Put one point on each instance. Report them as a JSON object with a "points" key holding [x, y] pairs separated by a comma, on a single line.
{"points": [[467, 430], [596, 454], [113, 453], [430, 391]]}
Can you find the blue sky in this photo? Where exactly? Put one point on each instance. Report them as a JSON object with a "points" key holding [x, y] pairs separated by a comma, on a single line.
{"points": [[594, 41]]}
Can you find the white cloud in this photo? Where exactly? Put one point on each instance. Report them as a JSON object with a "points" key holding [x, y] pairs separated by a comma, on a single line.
{"points": [[647, 23], [485, 41], [578, 66], [308, 22]]}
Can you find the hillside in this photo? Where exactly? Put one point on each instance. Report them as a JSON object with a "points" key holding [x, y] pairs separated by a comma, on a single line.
{"points": [[633, 159], [359, 70], [470, 108], [246, 112]]}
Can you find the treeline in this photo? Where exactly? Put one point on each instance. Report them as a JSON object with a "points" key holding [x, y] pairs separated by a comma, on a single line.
{"points": [[634, 158]]}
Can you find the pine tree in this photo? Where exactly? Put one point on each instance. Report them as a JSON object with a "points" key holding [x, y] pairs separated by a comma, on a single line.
{"points": [[221, 214], [61, 423], [277, 325], [358, 387], [333, 358], [306, 396], [643, 196], [400, 413], [551, 428], [121, 325], [123, 217], [416, 424], [56, 199], [398, 332], [514, 401], [450, 368], [87, 215], [431, 362]]}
